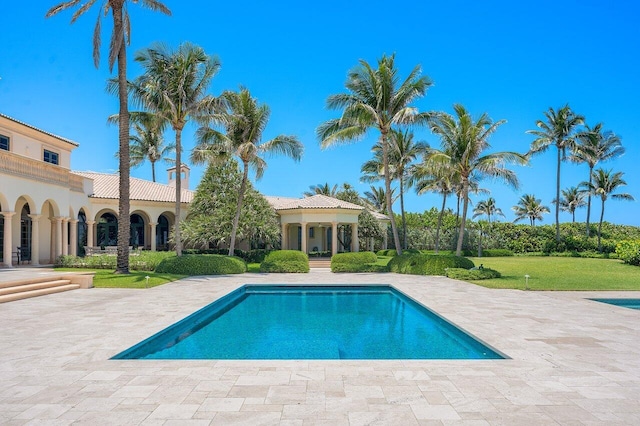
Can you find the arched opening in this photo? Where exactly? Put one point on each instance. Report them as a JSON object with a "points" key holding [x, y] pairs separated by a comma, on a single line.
{"points": [[162, 233], [137, 231], [82, 233], [107, 230], [24, 250]]}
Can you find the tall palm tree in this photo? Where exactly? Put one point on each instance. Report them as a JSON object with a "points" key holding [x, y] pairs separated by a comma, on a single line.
{"points": [[376, 198], [603, 185], [487, 208], [529, 207], [120, 37], [322, 189], [595, 145], [559, 130], [464, 142], [403, 151], [173, 86], [377, 100], [572, 199], [244, 121]]}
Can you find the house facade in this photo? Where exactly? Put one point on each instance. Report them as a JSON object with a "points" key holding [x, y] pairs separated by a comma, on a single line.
{"points": [[48, 210]]}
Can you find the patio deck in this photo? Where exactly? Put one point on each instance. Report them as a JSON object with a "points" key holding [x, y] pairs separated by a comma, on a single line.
{"points": [[573, 361]]}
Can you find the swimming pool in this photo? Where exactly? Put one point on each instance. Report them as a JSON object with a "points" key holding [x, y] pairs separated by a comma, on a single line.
{"points": [[312, 322], [625, 303]]}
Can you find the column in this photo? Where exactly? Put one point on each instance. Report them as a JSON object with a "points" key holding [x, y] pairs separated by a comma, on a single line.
{"points": [[334, 238], [8, 240], [303, 233], [355, 241], [285, 236], [73, 223], [65, 236], [90, 242], [153, 235], [35, 239], [58, 237]]}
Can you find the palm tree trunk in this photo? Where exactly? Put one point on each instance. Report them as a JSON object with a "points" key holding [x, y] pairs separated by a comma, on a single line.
{"points": [[444, 201], [236, 219], [600, 227], [558, 196], [176, 234], [387, 187], [465, 205], [589, 200], [124, 221], [404, 220], [153, 171]]}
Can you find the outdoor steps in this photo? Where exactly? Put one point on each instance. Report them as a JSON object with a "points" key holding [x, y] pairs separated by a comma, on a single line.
{"points": [[23, 289], [320, 263]]}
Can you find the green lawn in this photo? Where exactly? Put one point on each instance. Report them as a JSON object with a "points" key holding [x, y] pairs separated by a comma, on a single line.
{"points": [[105, 278], [560, 273]]}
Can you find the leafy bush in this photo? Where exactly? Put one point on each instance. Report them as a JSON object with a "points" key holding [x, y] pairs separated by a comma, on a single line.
{"points": [[427, 264], [496, 253], [285, 261], [364, 261], [358, 267], [251, 256], [387, 252], [629, 251], [202, 264], [103, 261], [320, 254], [472, 274]]}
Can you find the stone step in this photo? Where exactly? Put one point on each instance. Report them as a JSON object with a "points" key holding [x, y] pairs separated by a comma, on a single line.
{"points": [[319, 263], [39, 292], [32, 286]]}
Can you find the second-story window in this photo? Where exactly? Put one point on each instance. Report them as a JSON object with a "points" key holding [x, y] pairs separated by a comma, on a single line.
{"points": [[4, 142], [50, 157]]}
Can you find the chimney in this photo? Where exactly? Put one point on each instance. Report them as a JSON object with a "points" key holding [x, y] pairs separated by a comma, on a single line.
{"points": [[185, 171]]}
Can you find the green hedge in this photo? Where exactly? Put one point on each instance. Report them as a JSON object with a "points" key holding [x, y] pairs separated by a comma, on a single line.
{"points": [[202, 264], [142, 261], [472, 274], [393, 252], [364, 261], [250, 256], [285, 261], [629, 251], [496, 253], [427, 264], [355, 267]]}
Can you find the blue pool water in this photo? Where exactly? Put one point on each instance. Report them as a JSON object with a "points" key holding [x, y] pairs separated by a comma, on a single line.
{"points": [[307, 322], [625, 303]]}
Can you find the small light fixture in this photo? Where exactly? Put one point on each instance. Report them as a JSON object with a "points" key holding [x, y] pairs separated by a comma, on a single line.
{"points": [[146, 284], [526, 282]]}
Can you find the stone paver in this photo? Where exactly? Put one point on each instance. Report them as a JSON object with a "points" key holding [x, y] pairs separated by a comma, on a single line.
{"points": [[571, 361]]}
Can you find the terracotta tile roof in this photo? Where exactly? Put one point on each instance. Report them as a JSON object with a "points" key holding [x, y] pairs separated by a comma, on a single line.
{"points": [[105, 185], [314, 202], [39, 130]]}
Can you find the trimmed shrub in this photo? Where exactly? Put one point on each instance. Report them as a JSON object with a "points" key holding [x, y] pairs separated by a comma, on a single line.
{"points": [[202, 264], [472, 274], [285, 261], [496, 253], [364, 261], [629, 252], [427, 264], [393, 252], [355, 267]]}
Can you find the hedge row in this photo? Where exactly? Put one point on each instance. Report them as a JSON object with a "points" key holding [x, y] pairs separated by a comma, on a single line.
{"points": [[364, 261], [472, 274], [144, 261], [249, 256], [202, 264], [285, 261], [393, 252], [629, 251], [427, 264]]}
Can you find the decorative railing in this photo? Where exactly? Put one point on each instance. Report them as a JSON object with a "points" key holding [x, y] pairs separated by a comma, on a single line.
{"points": [[17, 165]]}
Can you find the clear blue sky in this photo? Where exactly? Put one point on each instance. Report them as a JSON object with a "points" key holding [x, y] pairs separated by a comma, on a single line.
{"points": [[510, 59]]}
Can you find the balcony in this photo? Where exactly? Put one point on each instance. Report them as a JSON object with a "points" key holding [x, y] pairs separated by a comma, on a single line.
{"points": [[28, 168]]}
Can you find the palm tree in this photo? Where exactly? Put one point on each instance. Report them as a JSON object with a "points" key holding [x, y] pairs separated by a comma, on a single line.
{"points": [[487, 208], [375, 100], [117, 52], [595, 146], [529, 207], [173, 87], [464, 142], [376, 198], [572, 199], [322, 189], [403, 151], [604, 184], [244, 121], [558, 130], [148, 142]]}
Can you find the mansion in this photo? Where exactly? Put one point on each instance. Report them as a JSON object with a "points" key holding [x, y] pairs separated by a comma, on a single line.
{"points": [[48, 210]]}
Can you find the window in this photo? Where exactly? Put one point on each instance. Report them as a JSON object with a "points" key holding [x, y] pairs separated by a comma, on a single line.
{"points": [[50, 157], [4, 142]]}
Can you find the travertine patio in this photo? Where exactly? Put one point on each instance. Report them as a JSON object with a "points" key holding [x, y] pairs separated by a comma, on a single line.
{"points": [[573, 361]]}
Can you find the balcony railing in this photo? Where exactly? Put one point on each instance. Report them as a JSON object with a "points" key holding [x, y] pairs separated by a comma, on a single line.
{"points": [[28, 168]]}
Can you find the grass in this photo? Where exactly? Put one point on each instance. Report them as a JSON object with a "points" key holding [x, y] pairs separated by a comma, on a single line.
{"points": [[136, 279], [560, 273]]}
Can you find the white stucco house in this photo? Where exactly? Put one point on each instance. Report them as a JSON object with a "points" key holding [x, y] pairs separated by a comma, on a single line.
{"points": [[48, 210]]}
